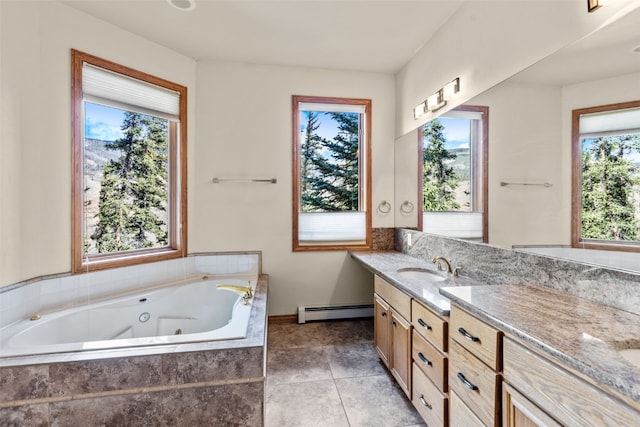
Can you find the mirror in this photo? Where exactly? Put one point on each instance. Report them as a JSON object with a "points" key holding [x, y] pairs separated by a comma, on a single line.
{"points": [[530, 135]]}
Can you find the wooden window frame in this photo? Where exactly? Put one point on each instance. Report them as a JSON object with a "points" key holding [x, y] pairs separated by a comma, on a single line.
{"points": [[484, 161], [177, 246], [365, 173], [576, 184]]}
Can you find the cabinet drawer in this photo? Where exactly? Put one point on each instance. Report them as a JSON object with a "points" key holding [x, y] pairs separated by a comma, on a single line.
{"points": [[428, 400], [430, 361], [476, 336], [560, 393], [432, 327], [461, 415], [400, 301], [475, 383]]}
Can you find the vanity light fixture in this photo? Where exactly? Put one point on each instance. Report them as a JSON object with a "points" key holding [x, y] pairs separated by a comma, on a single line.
{"points": [[420, 110], [593, 5], [185, 5], [451, 88], [438, 99]]}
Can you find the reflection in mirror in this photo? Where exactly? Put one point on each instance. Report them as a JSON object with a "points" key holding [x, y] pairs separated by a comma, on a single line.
{"points": [[453, 174], [606, 177], [530, 133]]}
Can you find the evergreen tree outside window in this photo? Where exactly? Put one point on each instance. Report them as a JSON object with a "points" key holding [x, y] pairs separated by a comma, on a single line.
{"points": [[606, 177], [453, 174], [331, 179], [129, 163]]}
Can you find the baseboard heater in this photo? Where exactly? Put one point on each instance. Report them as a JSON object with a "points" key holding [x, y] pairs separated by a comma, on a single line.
{"points": [[328, 312]]}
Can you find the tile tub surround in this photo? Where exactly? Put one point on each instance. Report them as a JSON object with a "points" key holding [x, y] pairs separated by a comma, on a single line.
{"points": [[583, 335], [490, 265], [208, 383], [21, 300]]}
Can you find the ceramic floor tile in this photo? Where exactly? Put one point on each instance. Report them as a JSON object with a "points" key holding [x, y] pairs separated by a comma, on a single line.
{"points": [[376, 401], [286, 366], [295, 336], [306, 404], [354, 360], [351, 331]]}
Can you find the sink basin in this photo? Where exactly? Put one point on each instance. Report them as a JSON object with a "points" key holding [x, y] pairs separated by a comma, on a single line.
{"points": [[422, 274], [631, 355]]}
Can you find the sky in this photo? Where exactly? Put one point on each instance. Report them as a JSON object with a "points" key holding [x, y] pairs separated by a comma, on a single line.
{"points": [[456, 131], [101, 122]]}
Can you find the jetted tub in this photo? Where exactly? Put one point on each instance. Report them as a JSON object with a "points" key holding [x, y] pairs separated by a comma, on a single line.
{"points": [[191, 310], [148, 344]]}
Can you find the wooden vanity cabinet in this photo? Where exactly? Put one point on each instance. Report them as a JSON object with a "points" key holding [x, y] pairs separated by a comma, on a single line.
{"points": [[539, 391], [475, 360], [392, 331], [430, 364]]}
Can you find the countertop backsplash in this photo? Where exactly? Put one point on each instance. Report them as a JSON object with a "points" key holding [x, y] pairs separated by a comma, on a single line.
{"points": [[498, 266]]}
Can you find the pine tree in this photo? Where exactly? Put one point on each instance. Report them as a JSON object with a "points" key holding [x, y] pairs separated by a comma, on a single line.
{"points": [[134, 190], [608, 183], [310, 151], [439, 180], [331, 182]]}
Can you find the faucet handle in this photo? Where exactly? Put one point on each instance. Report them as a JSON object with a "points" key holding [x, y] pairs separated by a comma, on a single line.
{"points": [[456, 271]]}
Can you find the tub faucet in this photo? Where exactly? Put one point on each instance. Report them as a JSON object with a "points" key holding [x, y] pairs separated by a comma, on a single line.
{"points": [[439, 260], [245, 290]]}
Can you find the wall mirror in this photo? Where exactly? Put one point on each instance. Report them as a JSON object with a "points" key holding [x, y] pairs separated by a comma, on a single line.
{"points": [[529, 185]]}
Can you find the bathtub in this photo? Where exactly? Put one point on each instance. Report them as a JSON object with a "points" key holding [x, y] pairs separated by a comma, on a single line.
{"points": [[150, 344], [190, 310]]}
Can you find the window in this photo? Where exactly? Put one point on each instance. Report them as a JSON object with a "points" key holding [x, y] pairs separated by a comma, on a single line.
{"points": [[129, 166], [453, 171], [606, 177], [331, 173]]}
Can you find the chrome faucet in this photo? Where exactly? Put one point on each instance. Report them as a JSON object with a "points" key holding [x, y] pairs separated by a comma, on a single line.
{"points": [[439, 260]]}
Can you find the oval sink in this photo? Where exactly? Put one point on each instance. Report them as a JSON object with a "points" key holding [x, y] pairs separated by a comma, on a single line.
{"points": [[631, 355], [423, 274]]}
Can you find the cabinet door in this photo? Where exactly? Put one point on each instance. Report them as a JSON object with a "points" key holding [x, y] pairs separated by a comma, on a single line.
{"points": [[518, 411], [401, 351], [381, 331]]}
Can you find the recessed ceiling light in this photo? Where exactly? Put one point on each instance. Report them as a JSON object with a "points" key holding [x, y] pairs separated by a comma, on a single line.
{"points": [[183, 4]]}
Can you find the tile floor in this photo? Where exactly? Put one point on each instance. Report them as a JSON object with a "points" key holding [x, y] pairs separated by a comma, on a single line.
{"points": [[328, 374]]}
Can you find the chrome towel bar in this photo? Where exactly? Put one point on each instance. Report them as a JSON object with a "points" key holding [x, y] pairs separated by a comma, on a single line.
{"points": [[222, 180]]}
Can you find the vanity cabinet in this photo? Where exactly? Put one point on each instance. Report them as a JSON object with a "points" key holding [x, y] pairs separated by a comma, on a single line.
{"points": [[430, 365], [539, 391], [475, 360], [392, 331]]}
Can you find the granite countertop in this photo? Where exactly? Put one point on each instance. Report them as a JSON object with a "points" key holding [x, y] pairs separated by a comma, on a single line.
{"points": [[582, 334], [387, 264]]}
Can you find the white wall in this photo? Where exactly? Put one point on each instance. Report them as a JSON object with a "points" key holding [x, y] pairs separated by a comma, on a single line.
{"points": [[35, 121], [525, 145], [244, 130], [485, 43]]}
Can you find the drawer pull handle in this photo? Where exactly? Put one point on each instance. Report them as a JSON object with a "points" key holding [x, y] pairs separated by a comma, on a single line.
{"points": [[424, 325], [393, 322], [468, 336], [424, 359], [424, 402], [466, 382], [384, 314]]}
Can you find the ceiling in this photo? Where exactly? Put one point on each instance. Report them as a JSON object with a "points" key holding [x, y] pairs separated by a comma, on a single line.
{"points": [[608, 52], [360, 35]]}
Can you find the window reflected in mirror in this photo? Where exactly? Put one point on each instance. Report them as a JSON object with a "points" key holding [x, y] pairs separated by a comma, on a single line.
{"points": [[606, 177], [453, 174]]}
